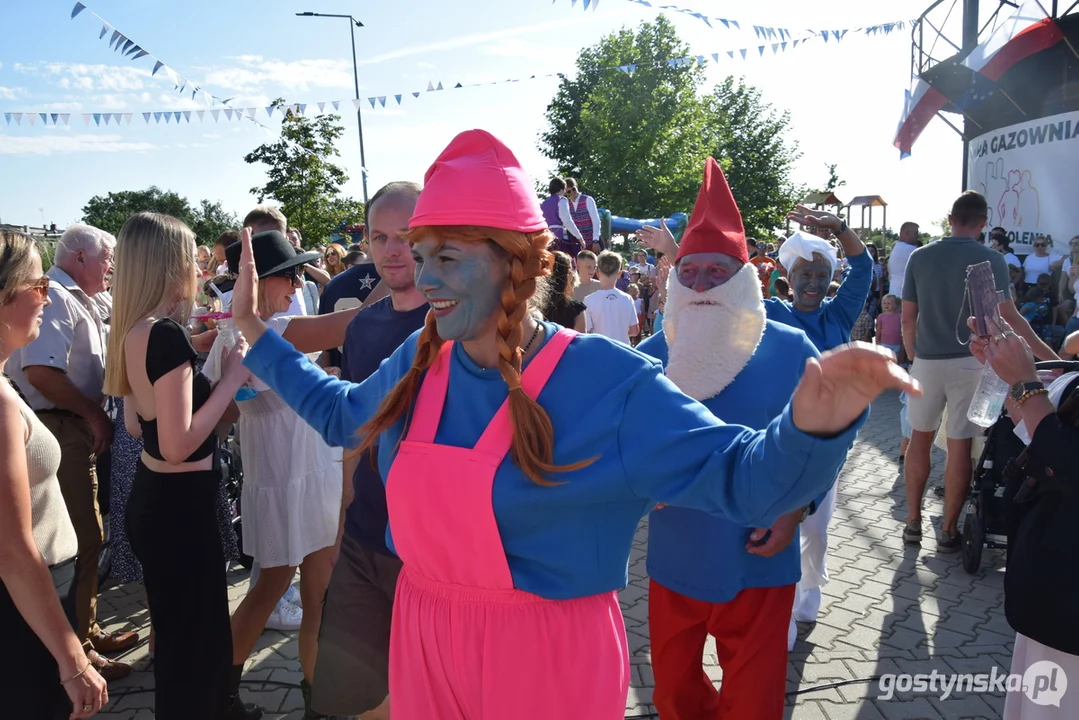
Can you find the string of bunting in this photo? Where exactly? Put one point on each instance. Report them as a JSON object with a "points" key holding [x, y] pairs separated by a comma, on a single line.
{"points": [[762, 32], [239, 114]]}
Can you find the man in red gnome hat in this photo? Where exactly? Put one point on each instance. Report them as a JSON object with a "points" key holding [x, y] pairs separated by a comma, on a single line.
{"points": [[710, 576]]}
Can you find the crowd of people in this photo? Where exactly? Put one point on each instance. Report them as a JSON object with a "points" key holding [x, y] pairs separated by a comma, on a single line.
{"points": [[419, 443]]}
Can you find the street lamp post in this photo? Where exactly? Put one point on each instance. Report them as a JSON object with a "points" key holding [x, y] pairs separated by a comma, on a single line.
{"points": [[352, 25]]}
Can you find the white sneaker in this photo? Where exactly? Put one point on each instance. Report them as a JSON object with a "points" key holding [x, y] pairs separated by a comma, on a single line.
{"points": [[285, 617], [292, 596]]}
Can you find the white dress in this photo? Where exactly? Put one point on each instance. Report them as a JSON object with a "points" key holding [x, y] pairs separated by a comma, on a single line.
{"points": [[292, 478]]}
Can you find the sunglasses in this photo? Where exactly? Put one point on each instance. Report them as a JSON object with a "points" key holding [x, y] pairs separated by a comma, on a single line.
{"points": [[41, 287], [1039, 245], [290, 274]]}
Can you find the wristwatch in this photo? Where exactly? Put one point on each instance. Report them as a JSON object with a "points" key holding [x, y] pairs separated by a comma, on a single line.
{"points": [[842, 228], [1023, 390]]}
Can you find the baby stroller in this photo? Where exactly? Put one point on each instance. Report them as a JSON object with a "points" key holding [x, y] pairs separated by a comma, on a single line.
{"points": [[985, 523], [232, 474]]}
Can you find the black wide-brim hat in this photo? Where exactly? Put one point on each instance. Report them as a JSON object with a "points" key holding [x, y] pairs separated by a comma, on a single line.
{"points": [[273, 254]]}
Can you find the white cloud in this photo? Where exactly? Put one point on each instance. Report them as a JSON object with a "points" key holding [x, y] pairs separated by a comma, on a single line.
{"points": [[255, 72], [7, 93], [470, 40], [68, 144]]}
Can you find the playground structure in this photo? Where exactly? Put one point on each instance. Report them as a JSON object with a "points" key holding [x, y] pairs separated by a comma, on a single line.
{"points": [[615, 226], [830, 201]]}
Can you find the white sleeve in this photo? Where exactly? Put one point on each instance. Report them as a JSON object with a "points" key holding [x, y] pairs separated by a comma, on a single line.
{"points": [[594, 214], [630, 311], [568, 226], [212, 367]]}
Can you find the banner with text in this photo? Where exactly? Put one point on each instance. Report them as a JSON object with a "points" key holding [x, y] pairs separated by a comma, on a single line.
{"points": [[1028, 174]]}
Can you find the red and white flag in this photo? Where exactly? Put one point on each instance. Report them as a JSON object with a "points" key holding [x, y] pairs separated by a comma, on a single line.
{"points": [[1029, 30]]}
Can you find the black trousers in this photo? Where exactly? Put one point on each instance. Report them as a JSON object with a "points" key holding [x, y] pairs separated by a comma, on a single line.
{"points": [[29, 675], [172, 525]]}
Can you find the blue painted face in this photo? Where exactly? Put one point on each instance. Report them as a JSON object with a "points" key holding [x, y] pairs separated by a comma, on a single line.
{"points": [[809, 282], [462, 282], [703, 271]]}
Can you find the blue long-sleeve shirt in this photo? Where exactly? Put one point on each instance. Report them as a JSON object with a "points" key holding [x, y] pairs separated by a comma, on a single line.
{"points": [[829, 325], [704, 556], [574, 539]]}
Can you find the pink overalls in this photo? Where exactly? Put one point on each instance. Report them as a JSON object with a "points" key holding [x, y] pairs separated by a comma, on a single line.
{"points": [[465, 644]]}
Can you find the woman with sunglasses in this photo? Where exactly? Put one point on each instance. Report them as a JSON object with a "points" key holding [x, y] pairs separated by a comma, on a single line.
{"points": [[292, 478], [47, 675]]}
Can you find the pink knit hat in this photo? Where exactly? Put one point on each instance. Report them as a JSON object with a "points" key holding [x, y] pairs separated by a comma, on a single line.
{"points": [[477, 180]]}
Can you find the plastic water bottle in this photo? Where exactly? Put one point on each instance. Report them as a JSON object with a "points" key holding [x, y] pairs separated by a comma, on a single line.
{"points": [[989, 398], [231, 336]]}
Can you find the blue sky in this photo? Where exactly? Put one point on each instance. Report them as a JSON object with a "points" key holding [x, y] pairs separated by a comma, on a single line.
{"points": [[845, 98]]}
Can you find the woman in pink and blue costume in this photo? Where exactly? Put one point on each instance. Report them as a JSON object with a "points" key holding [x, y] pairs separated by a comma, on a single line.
{"points": [[513, 496]]}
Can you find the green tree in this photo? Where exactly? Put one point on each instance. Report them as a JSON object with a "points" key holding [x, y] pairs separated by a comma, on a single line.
{"points": [[634, 140], [747, 137], [110, 212], [302, 176], [833, 179], [209, 220]]}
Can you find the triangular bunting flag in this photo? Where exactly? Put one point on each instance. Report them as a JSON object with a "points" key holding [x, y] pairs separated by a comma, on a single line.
{"points": [[18, 118], [157, 66], [146, 117], [269, 110], [841, 34], [302, 108], [397, 98], [743, 51], [108, 116], [216, 114], [356, 103], [55, 117], [757, 30], [321, 107], [730, 54], [228, 113], [825, 34], [459, 85], [44, 118], [140, 53], [430, 86], [771, 32], [382, 100], [736, 25], [775, 48], [79, 7], [415, 94], [372, 101], [7, 118], [97, 118], [127, 118], [168, 117], [116, 35], [726, 23], [32, 118], [761, 48], [251, 112], [587, 3], [783, 46], [176, 117], [715, 57], [127, 46], [337, 105], [201, 114], [104, 31]]}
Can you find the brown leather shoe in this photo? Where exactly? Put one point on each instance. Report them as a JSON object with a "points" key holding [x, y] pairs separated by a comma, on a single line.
{"points": [[116, 642], [109, 670]]}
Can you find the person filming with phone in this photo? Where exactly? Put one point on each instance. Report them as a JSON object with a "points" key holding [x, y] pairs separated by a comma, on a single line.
{"points": [[933, 318]]}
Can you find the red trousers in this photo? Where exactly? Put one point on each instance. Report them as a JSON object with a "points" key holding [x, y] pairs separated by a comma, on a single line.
{"points": [[751, 641]]}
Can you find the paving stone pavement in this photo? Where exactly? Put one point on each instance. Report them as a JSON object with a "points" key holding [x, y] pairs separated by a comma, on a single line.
{"points": [[887, 608]]}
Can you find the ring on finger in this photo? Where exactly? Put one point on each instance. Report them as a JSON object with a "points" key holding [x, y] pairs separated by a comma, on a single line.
{"points": [[87, 708]]}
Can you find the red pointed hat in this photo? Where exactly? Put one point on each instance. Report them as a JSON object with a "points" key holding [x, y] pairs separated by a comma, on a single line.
{"points": [[716, 223], [477, 180]]}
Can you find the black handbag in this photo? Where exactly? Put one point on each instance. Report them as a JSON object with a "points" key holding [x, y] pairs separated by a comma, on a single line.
{"points": [[1041, 582]]}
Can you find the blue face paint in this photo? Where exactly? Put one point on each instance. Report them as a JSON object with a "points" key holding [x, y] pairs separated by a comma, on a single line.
{"points": [[809, 282], [703, 271], [462, 282]]}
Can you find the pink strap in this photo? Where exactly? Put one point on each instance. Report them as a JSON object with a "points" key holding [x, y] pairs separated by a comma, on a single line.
{"points": [[431, 399], [498, 436]]}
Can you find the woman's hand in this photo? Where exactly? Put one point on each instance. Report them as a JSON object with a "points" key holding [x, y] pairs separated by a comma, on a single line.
{"points": [[245, 293], [659, 239], [89, 690], [836, 390], [234, 373], [1006, 352], [815, 218]]}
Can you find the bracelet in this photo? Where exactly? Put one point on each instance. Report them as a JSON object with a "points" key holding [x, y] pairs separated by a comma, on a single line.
{"points": [[1029, 394], [77, 675]]}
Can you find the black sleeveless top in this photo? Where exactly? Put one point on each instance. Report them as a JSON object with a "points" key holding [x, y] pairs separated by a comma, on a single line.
{"points": [[168, 348]]}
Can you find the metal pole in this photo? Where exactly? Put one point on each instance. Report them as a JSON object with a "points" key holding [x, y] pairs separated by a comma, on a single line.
{"points": [[359, 120], [970, 41]]}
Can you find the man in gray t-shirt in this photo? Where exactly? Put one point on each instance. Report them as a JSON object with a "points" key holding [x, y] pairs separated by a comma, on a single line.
{"points": [[935, 336]]}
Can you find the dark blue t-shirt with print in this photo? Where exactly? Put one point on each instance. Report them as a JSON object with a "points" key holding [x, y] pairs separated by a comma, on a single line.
{"points": [[372, 336], [346, 291]]}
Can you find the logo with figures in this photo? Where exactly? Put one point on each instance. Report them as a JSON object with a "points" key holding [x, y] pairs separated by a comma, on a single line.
{"points": [[1044, 683]]}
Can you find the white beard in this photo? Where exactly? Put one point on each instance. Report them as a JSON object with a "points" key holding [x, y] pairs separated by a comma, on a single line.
{"points": [[719, 339]]}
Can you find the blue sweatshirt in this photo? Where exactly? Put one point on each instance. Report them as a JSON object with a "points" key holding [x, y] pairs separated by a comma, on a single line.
{"points": [[703, 556], [573, 540], [829, 325]]}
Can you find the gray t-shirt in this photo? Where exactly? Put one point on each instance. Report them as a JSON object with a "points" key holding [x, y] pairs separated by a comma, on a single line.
{"points": [[936, 280]]}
